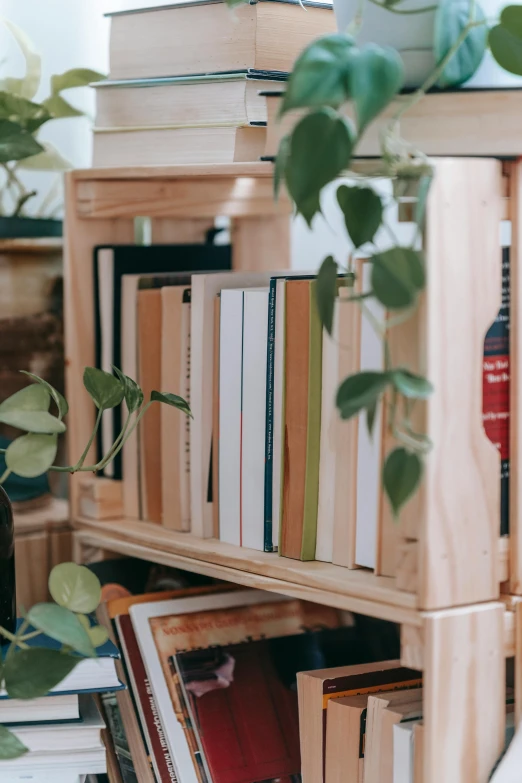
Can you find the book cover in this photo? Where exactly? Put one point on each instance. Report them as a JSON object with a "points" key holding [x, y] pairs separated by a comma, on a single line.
{"points": [[496, 374], [136, 259], [269, 420]]}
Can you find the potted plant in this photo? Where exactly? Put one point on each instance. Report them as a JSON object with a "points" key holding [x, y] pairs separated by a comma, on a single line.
{"points": [[29, 672], [332, 72], [21, 150]]}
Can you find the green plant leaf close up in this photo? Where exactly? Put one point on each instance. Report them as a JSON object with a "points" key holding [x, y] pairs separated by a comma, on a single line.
{"points": [[106, 390], [10, 745], [33, 421], [401, 476], [411, 385], [32, 673], [362, 210], [171, 399], [75, 587], [31, 398], [30, 116], [16, 143], [63, 625], [505, 40], [376, 74], [31, 455], [326, 292], [360, 391], [397, 277], [451, 19], [59, 399], [133, 394]]}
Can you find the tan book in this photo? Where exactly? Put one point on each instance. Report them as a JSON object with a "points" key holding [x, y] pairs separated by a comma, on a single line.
{"points": [[205, 37], [175, 427], [384, 711], [345, 719], [418, 752], [177, 145], [227, 98], [317, 688], [149, 374]]}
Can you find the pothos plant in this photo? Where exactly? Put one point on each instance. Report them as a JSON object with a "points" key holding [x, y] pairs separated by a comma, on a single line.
{"points": [[339, 88], [29, 671]]}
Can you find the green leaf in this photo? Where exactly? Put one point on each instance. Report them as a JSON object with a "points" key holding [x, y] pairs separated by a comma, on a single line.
{"points": [[505, 40], [451, 18], [133, 393], [75, 587], [171, 399], [422, 198], [30, 398], [319, 74], [31, 455], [33, 62], [30, 116], [48, 160], [10, 745], [401, 476], [76, 77], [376, 74], [280, 164], [106, 390], [360, 391], [371, 412], [410, 385], [61, 108], [32, 673], [397, 277], [320, 149], [33, 421], [61, 624], [362, 210], [16, 143], [59, 399], [326, 292], [96, 633]]}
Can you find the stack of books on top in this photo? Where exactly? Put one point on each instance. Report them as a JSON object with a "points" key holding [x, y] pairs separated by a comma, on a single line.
{"points": [[197, 659], [62, 731], [185, 79]]}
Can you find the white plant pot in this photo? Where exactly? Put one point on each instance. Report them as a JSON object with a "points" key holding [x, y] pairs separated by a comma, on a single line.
{"points": [[412, 36]]}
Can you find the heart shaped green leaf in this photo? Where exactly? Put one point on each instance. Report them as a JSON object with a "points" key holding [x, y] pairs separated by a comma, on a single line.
{"points": [[280, 164], [326, 292], [320, 149], [397, 277], [30, 116], [31, 455], [32, 421], [10, 745], [75, 77], [171, 399], [410, 385], [105, 389], [360, 391], [31, 398], [59, 399], [451, 19], [505, 40], [362, 210], [133, 394], [63, 625], [375, 76], [32, 673], [401, 476], [319, 74], [75, 587], [16, 143], [96, 633]]}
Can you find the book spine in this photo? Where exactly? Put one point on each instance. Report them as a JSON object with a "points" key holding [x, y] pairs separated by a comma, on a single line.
{"points": [[496, 382], [269, 419]]}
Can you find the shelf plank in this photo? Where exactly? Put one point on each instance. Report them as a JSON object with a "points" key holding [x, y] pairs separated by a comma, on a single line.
{"points": [[255, 169], [356, 590]]}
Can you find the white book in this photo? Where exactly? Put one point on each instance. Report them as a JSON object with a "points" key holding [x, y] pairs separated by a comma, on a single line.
{"points": [[141, 614], [83, 735], [105, 260], [230, 410], [253, 431], [205, 287], [45, 708], [369, 448], [403, 752], [278, 416]]}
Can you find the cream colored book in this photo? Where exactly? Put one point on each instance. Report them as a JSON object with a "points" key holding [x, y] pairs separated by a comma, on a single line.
{"points": [[177, 145], [384, 711], [205, 37]]}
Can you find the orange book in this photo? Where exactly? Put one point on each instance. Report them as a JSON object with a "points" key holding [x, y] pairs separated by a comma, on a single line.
{"points": [[297, 355], [149, 374]]}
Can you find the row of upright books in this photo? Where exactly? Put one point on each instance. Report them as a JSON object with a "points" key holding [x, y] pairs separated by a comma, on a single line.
{"points": [[265, 462], [187, 82]]}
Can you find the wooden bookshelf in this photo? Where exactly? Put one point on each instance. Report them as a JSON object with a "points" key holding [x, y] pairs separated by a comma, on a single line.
{"points": [[446, 598]]}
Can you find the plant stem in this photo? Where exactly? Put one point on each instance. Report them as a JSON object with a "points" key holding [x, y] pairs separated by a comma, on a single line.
{"points": [[403, 11], [7, 472], [135, 423], [80, 462], [31, 635], [118, 439]]}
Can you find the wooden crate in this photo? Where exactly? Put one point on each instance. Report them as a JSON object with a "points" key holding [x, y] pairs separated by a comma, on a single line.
{"points": [[446, 596]]}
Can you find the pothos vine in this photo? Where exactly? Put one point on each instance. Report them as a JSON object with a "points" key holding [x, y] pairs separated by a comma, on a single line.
{"points": [[334, 74]]}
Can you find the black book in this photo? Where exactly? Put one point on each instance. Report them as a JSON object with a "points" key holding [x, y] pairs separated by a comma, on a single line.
{"points": [[111, 262]]}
